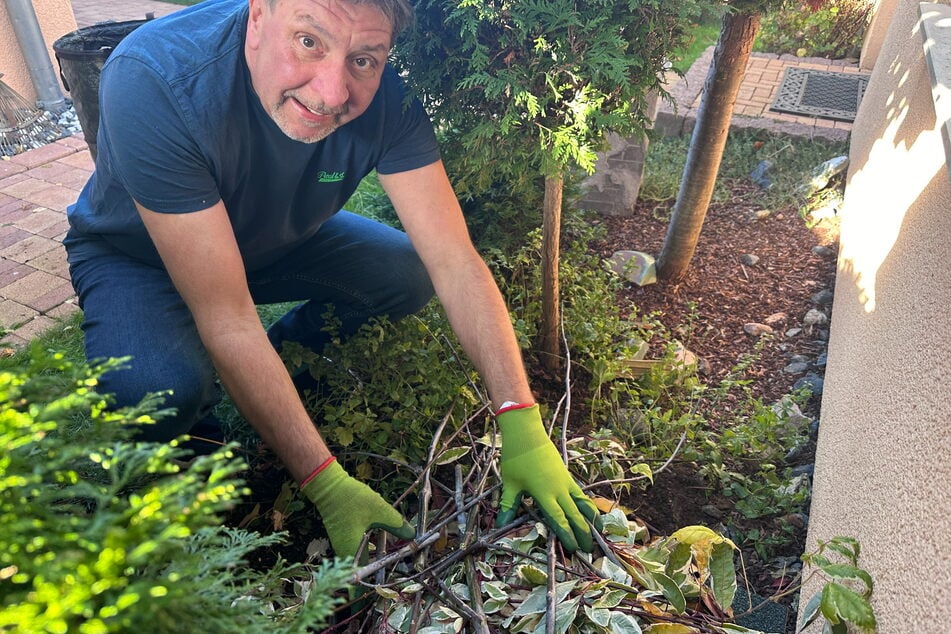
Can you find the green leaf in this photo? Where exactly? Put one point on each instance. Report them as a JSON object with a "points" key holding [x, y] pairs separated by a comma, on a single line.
{"points": [[599, 616], [670, 628], [611, 599], [565, 613], [615, 523], [451, 455], [846, 571], [644, 470], [695, 534], [387, 593], [495, 590], [537, 600], [672, 592], [533, 575], [811, 611], [841, 603], [623, 623], [723, 575]]}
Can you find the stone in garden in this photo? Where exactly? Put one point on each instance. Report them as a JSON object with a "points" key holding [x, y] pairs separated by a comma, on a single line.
{"points": [[822, 360], [823, 251], [815, 318], [806, 469], [683, 358], [762, 214], [788, 413], [792, 332], [749, 259], [757, 330], [776, 318], [795, 485], [822, 174], [760, 174], [712, 511], [797, 367], [822, 297], [812, 381], [636, 267]]}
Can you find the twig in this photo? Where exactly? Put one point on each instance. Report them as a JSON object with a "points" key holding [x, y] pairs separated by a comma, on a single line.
{"points": [[475, 592], [551, 595], [638, 478], [564, 420], [460, 514], [481, 626]]}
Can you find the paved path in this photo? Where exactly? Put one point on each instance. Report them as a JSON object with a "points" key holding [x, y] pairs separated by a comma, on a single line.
{"points": [[37, 186]]}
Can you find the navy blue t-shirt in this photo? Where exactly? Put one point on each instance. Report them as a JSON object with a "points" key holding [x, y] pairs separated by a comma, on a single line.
{"points": [[181, 128]]}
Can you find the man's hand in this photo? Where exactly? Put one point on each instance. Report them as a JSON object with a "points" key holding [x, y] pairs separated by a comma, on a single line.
{"points": [[531, 465], [350, 508]]}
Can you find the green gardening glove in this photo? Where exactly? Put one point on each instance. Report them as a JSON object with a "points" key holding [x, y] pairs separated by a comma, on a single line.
{"points": [[531, 465], [349, 508]]}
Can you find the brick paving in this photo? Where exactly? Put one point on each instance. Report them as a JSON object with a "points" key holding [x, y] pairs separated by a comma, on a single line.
{"points": [[37, 186]]}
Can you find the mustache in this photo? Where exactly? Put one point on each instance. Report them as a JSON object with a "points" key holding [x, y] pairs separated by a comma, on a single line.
{"points": [[316, 108]]}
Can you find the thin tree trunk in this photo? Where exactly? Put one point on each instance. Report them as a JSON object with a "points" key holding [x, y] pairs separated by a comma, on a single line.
{"points": [[720, 90], [550, 339]]}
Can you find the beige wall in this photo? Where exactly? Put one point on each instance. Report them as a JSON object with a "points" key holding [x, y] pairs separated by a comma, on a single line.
{"points": [[55, 18], [883, 463]]}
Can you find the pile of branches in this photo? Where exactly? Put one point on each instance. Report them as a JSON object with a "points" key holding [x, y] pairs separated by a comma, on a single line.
{"points": [[463, 574]]}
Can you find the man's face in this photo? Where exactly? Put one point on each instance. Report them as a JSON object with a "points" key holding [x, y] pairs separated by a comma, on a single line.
{"points": [[315, 64]]}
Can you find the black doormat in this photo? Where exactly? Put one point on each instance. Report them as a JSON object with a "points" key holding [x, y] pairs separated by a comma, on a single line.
{"points": [[823, 94]]}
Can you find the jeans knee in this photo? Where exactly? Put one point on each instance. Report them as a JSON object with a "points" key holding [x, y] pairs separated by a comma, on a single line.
{"points": [[416, 287], [186, 396]]}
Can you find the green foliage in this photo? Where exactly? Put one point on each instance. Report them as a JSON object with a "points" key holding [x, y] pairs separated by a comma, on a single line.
{"points": [[523, 88], [103, 534], [599, 334], [833, 29], [384, 390], [792, 163], [844, 598]]}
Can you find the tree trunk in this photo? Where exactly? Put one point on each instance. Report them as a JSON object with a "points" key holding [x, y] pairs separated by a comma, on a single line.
{"points": [[550, 334], [720, 90]]}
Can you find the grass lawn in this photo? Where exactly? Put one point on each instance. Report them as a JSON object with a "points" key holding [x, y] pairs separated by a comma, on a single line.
{"points": [[704, 35]]}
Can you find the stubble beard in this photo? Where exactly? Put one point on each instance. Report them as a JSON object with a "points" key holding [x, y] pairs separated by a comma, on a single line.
{"points": [[294, 127]]}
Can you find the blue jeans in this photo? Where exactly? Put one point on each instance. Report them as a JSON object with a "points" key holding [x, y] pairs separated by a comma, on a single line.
{"points": [[362, 267]]}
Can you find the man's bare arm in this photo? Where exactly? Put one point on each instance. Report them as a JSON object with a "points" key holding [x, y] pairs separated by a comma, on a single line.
{"points": [[201, 255], [430, 212]]}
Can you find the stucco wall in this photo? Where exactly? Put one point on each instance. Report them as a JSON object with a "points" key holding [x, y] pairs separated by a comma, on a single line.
{"points": [[55, 18], [883, 471]]}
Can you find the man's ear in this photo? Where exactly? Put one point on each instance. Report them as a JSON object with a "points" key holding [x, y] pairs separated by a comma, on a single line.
{"points": [[256, 11]]}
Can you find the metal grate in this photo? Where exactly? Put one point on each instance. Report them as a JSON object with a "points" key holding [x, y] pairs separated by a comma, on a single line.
{"points": [[822, 94]]}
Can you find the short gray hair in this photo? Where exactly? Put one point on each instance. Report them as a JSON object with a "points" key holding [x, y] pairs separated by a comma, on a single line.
{"points": [[398, 12]]}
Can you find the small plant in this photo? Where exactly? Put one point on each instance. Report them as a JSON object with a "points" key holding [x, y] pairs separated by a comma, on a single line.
{"points": [[839, 603]]}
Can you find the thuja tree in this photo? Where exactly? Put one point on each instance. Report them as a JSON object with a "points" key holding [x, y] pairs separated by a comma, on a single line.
{"points": [[102, 533], [526, 91]]}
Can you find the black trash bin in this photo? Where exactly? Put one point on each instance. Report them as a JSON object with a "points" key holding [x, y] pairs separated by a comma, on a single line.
{"points": [[81, 55]]}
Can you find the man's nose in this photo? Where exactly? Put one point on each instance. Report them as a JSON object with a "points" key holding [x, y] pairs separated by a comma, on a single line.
{"points": [[331, 85]]}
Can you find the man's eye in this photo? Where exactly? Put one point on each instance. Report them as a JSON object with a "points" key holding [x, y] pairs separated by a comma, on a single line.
{"points": [[363, 62], [307, 41]]}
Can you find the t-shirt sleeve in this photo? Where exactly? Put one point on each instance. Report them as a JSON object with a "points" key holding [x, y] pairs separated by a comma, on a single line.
{"points": [[146, 133], [410, 139]]}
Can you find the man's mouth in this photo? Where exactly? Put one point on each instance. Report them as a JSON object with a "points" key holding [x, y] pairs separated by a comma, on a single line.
{"points": [[321, 115]]}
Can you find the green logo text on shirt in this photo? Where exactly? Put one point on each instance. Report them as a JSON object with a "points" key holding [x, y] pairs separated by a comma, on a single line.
{"points": [[330, 177]]}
